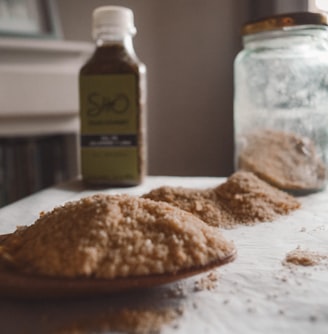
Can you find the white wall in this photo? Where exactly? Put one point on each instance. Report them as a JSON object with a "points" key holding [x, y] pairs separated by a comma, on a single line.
{"points": [[188, 47], [283, 6]]}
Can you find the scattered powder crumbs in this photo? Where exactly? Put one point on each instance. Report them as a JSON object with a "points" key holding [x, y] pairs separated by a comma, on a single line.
{"points": [[127, 321], [177, 291], [108, 236], [272, 296], [242, 199], [207, 282], [313, 318], [194, 305], [304, 257], [321, 228]]}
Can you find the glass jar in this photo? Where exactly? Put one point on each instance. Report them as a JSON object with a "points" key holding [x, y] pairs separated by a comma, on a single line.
{"points": [[281, 101]]}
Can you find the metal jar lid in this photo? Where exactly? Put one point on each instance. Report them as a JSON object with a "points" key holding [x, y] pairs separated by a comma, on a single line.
{"points": [[281, 21]]}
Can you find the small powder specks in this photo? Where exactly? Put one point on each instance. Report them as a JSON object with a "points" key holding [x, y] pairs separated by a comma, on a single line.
{"points": [[208, 282], [178, 291], [194, 306], [313, 318], [251, 309]]}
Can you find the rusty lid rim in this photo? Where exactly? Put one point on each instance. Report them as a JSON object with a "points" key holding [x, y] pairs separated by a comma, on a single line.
{"points": [[278, 22]]}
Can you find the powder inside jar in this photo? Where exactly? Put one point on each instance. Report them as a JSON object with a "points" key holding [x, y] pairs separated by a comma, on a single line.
{"points": [[286, 160]]}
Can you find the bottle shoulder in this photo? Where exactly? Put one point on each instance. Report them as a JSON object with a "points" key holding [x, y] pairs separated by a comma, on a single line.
{"points": [[113, 59]]}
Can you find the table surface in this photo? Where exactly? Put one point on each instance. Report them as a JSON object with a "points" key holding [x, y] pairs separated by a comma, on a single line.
{"points": [[254, 294]]}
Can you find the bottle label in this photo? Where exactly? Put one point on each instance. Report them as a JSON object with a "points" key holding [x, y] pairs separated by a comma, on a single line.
{"points": [[109, 127]]}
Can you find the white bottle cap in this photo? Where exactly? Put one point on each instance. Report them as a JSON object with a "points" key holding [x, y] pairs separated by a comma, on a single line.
{"points": [[113, 20]]}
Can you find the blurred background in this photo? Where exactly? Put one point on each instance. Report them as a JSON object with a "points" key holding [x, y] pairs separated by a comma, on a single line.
{"points": [[188, 47]]}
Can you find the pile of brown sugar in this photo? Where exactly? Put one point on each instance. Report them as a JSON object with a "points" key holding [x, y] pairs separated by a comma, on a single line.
{"points": [[285, 160], [303, 257], [242, 199], [108, 236]]}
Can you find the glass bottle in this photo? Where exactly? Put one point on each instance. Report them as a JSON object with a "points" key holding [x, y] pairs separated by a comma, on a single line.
{"points": [[281, 101], [112, 103]]}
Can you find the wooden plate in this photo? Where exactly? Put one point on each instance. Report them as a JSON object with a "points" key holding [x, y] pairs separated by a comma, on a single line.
{"points": [[20, 285]]}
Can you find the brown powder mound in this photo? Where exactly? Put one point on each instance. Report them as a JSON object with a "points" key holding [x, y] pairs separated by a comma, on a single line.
{"points": [[201, 203], [114, 236], [249, 199], [303, 257], [285, 160], [242, 199]]}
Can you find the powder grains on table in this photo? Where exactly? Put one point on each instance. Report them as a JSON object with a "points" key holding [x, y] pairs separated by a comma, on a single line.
{"points": [[108, 236], [303, 257], [208, 282], [242, 199]]}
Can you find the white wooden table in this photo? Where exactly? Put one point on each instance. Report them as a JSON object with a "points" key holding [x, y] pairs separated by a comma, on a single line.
{"points": [[254, 294]]}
